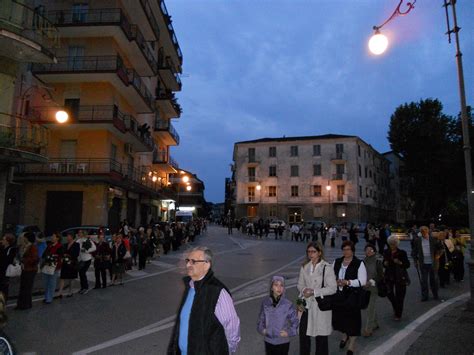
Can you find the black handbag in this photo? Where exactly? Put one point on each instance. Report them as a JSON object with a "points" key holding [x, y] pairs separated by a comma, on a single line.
{"points": [[382, 289], [324, 303], [358, 298]]}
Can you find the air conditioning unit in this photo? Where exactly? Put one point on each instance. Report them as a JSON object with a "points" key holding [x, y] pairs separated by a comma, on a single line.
{"points": [[128, 148]]}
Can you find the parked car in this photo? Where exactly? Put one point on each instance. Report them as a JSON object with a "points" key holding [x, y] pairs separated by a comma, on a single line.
{"points": [[93, 231], [276, 223]]}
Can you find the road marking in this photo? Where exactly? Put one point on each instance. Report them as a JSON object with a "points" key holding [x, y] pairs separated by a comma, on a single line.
{"points": [[162, 264], [390, 344], [169, 321], [237, 242]]}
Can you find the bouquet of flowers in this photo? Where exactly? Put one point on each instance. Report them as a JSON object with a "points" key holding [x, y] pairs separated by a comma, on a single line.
{"points": [[300, 304], [51, 260]]}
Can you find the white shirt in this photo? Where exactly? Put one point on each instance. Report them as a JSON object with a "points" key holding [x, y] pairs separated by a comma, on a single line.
{"points": [[85, 255], [361, 276]]}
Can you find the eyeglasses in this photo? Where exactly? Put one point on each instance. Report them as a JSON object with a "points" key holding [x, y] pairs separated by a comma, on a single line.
{"points": [[193, 261]]}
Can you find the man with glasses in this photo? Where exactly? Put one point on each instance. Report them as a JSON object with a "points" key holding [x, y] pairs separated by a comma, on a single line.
{"points": [[207, 322]]}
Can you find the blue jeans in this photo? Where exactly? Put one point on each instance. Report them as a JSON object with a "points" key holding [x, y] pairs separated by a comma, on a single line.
{"points": [[49, 286]]}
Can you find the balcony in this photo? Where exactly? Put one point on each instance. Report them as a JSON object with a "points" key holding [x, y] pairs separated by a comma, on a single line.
{"points": [[165, 162], [339, 177], [341, 199], [166, 132], [98, 69], [25, 34], [21, 140], [169, 104], [87, 117], [168, 72], [108, 23], [172, 36], [339, 157]]}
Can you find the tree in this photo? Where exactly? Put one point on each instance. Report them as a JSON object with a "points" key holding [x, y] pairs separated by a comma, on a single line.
{"points": [[429, 142]]}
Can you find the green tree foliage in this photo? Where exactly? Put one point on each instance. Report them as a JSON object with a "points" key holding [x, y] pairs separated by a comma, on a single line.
{"points": [[431, 145]]}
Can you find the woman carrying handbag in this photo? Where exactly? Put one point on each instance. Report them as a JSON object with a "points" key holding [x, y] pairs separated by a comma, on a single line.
{"points": [[314, 274], [51, 267]]}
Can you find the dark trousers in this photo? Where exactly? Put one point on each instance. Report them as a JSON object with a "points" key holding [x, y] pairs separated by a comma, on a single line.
{"points": [[100, 273], [381, 245], [458, 265], [82, 274], [4, 286], [323, 238], [27, 280], [322, 347], [396, 295], [281, 349], [141, 260], [229, 230], [444, 275], [333, 242], [427, 272]]}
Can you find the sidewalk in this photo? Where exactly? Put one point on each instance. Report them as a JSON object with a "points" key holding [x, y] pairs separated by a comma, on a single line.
{"points": [[452, 333]]}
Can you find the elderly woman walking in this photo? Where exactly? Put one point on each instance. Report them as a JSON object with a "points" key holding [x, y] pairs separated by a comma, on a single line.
{"points": [[374, 265], [29, 262], [350, 273], [396, 276], [316, 279], [278, 319]]}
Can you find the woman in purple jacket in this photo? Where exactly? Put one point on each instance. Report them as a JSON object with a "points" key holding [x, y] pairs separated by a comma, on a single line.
{"points": [[278, 319]]}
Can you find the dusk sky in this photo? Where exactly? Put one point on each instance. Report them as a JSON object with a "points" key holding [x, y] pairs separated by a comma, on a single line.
{"points": [[269, 68]]}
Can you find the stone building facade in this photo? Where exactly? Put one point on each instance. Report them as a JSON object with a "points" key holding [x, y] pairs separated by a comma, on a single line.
{"points": [[334, 178]]}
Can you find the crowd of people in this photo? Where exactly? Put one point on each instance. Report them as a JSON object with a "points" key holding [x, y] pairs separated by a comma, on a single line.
{"points": [[61, 260]]}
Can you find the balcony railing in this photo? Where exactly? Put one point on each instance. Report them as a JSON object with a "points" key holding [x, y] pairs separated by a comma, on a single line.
{"points": [[169, 96], [97, 17], [339, 156], [341, 176], [151, 19], [29, 23], [138, 130], [97, 64], [171, 32], [162, 157], [165, 63], [73, 166], [165, 125], [21, 134]]}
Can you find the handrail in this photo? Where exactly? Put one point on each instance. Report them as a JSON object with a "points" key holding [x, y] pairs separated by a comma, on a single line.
{"points": [[171, 32], [74, 166], [167, 125], [22, 134]]}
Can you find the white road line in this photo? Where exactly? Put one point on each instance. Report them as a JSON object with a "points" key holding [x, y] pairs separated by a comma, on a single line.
{"points": [[390, 344], [169, 321], [237, 242]]}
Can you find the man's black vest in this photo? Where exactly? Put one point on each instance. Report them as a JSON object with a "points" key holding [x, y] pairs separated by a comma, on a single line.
{"points": [[206, 334]]}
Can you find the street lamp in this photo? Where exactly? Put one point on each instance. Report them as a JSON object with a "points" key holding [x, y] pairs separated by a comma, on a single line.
{"points": [[328, 188], [465, 123], [62, 116]]}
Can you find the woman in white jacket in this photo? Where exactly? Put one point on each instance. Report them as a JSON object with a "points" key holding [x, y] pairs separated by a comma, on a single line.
{"points": [[314, 322]]}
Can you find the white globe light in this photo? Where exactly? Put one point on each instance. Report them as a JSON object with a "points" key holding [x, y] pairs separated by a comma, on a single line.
{"points": [[188, 188], [62, 116], [378, 43], [185, 178]]}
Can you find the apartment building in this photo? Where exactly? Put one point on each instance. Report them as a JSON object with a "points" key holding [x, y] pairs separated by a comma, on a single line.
{"points": [[116, 72], [335, 178], [25, 36]]}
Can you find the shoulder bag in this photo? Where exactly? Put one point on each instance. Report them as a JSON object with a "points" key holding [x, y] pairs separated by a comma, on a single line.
{"points": [[358, 298], [13, 270], [324, 302]]}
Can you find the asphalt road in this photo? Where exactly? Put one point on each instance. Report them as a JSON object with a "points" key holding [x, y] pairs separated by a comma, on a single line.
{"points": [[137, 318]]}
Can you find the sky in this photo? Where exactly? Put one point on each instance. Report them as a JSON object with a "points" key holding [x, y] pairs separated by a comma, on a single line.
{"points": [[269, 68]]}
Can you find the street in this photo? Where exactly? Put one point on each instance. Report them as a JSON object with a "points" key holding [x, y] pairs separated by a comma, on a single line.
{"points": [[137, 318]]}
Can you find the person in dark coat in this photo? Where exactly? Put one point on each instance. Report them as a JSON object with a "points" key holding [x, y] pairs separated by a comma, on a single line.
{"points": [[350, 272], [69, 272], [143, 246], [7, 256], [118, 259], [102, 262], [396, 264], [29, 261]]}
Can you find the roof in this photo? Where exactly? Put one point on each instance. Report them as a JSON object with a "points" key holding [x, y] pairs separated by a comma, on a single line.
{"points": [[304, 138]]}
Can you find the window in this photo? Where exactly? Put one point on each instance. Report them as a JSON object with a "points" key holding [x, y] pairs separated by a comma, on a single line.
{"points": [[360, 191], [113, 152], [317, 170], [340, 192], [272, 191], [294, 151], [294, 191], [75, 57], [272, 170], [340, 169], [317, 150], [79, 13], [251, 173], [366, 172], [370, 173], [366, 192], [272, 152], [358, 150], [73, 108], [317, 190], [339, 150], [251, 155], [360, 171], [294, 170], [251, 193], [272, 211], [318, 211]]}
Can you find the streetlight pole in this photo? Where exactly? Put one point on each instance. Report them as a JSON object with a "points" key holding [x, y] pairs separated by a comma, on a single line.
{"points": [[328, 188], [465, 120]]}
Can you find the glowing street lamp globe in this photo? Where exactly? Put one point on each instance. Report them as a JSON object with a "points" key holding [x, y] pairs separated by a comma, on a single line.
{"points": [[378, 43], [188, 188], [62, 116], [185, 178]]}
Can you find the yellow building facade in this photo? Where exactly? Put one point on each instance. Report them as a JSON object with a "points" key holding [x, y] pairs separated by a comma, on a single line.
{"points": [[116, 72]]}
